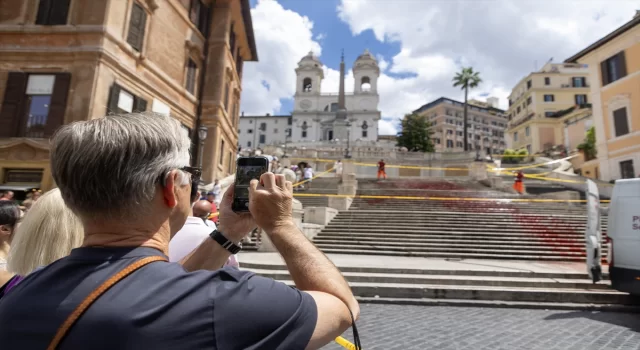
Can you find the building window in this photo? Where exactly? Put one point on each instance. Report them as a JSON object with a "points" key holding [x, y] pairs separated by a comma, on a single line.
{"points": [[449, 143], [34, 104], [626, 169], [620, 122], [547, 81], [515, 136], [226, 97], [194, 11], [458, 143], [529, 84], [239, 131], [275, 131], [289, 121], [232, 39], [199, 16], [122, 101], [137, 24], [248, 143], [549, 113], [459, 133], [250, 131], [221, 161], [52, 12], [549, 98], [263, 139], [304, 129], [528, 149], [529, 100], [23, 175], [192, 70], [581, 99], [449, 132], [263, 126], [527, 131], [579, 82], [230, 162], [613, 68], [518, 110]]}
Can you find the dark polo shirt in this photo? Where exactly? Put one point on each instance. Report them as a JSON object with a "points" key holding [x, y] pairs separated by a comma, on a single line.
{"points": [[160, 306]]}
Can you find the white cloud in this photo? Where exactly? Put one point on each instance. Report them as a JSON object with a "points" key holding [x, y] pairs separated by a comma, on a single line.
{"points": [[502, 39], [283, 37], [321, 36], [331, 81], [386, 127]]}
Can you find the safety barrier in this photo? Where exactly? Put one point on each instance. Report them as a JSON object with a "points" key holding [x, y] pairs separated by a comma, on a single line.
{"points": [[434, 198]]}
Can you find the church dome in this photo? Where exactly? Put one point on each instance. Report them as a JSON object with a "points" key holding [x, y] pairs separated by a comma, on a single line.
{"points": [[310, 60]]}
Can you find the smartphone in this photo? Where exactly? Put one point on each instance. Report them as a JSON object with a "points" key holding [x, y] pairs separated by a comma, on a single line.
{"points": [[248, 168]]}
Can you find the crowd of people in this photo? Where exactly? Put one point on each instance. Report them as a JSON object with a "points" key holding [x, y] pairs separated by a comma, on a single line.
{"points": [[144, 266]]}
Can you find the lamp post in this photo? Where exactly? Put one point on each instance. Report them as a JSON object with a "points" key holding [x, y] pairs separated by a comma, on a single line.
{"points": [[202, 135]]}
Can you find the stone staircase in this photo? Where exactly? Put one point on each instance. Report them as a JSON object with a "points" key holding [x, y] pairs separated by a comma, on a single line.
{"points": [[472, 282], [321, 185], [454, 228]]}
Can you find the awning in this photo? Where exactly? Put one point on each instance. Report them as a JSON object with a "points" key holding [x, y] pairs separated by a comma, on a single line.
{"points": [[22, 187]]}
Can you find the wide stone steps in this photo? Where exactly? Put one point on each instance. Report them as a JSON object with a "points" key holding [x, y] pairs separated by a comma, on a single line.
{"points": [[523, 288], [499, 255]]}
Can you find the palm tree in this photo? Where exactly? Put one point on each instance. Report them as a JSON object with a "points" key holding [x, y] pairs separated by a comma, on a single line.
{"points": [[466, 79]]}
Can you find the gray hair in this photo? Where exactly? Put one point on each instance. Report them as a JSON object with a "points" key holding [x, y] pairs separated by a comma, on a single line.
{"points": [[111, 165]]}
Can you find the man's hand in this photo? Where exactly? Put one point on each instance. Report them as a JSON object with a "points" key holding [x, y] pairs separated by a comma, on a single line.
{"points": [[234, 225], [270, 201]]}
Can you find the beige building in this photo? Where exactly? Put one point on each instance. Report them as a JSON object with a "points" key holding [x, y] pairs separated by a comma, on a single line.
{"points": [[64, 61], [535, 103], [487, 124], [614, 70]]}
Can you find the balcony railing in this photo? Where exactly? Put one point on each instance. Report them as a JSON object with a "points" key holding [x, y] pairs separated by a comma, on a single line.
{"points": [[36, 126]]}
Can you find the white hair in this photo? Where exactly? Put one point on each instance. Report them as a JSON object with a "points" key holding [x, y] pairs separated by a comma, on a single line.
{"points": [[112, 166], [46, 233]]}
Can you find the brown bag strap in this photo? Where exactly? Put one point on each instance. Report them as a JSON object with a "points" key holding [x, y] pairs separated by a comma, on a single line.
{"points": [[71, 320]]}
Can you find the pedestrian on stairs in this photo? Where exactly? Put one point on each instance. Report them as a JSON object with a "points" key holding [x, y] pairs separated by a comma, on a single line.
{"points": [[518, 185], [381, 172], [338, 168]]}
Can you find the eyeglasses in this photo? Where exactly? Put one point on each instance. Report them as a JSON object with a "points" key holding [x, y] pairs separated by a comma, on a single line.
{"points": [[194, 173]]}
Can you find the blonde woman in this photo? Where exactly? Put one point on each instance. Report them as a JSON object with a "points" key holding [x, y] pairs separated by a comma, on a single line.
{"points": [[48, 232]]}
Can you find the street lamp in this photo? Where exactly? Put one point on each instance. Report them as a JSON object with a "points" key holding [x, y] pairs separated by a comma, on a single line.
{"points": [[202, 135]]}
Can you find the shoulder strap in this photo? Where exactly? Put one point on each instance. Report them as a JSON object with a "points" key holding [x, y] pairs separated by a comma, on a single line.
{"points": [[113, 280]]}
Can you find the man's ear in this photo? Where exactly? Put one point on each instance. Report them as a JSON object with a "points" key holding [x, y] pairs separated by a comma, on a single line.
{"points": [[171, 183]]}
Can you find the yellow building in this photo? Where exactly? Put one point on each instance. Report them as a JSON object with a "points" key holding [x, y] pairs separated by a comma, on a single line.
{"points": [[64, 61], [614, 70], [539, 99]]}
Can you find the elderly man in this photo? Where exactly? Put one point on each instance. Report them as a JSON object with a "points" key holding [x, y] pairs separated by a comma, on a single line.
{"points": [[138, 165], [7, 196]]}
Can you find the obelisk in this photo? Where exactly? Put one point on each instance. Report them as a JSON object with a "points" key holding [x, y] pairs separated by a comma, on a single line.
{"points": [[340, 123]]}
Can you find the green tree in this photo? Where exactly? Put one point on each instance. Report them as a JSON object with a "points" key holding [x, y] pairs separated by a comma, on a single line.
{"points": [[466, 79], [416, 134], [588, 147]]}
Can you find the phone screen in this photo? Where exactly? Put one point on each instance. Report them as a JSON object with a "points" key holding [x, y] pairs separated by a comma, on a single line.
{"points": [[247, 170]]}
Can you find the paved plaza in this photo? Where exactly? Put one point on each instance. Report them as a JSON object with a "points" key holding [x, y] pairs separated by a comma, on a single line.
{"points": [[388, 327]]}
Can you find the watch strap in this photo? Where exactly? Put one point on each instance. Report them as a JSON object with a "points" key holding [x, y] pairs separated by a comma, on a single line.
{"points": [[224, 242]]}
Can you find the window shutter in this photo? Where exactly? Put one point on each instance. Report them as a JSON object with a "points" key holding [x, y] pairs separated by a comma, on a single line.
{"points": [[12, 106], [112, 103], [139, 104], [620, 122], [622, 65], [59, 12], [604, 72], [203, 21], [135, 37], [584, 81], [55, 119], [43, 12]]}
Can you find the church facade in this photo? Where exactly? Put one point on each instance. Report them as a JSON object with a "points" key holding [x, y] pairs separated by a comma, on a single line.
{"points": [[319, 116]]}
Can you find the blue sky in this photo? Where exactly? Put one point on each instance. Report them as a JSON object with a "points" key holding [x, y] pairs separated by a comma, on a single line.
{"points": [[334, 35], [420, 45]]}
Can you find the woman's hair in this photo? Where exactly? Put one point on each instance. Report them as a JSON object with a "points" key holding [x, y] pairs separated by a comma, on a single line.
{"points": [[46, 233], [9, 213]]}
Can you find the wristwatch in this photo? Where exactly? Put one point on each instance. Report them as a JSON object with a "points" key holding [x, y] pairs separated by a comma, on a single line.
{"points": [[224, 242]]}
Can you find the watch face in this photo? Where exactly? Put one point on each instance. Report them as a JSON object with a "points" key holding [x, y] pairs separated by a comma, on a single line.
{"points": [[305, 104]]}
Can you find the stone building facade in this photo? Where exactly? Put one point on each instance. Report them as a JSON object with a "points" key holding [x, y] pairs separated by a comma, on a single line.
{"points": [[64, 61], [486, 123]]}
